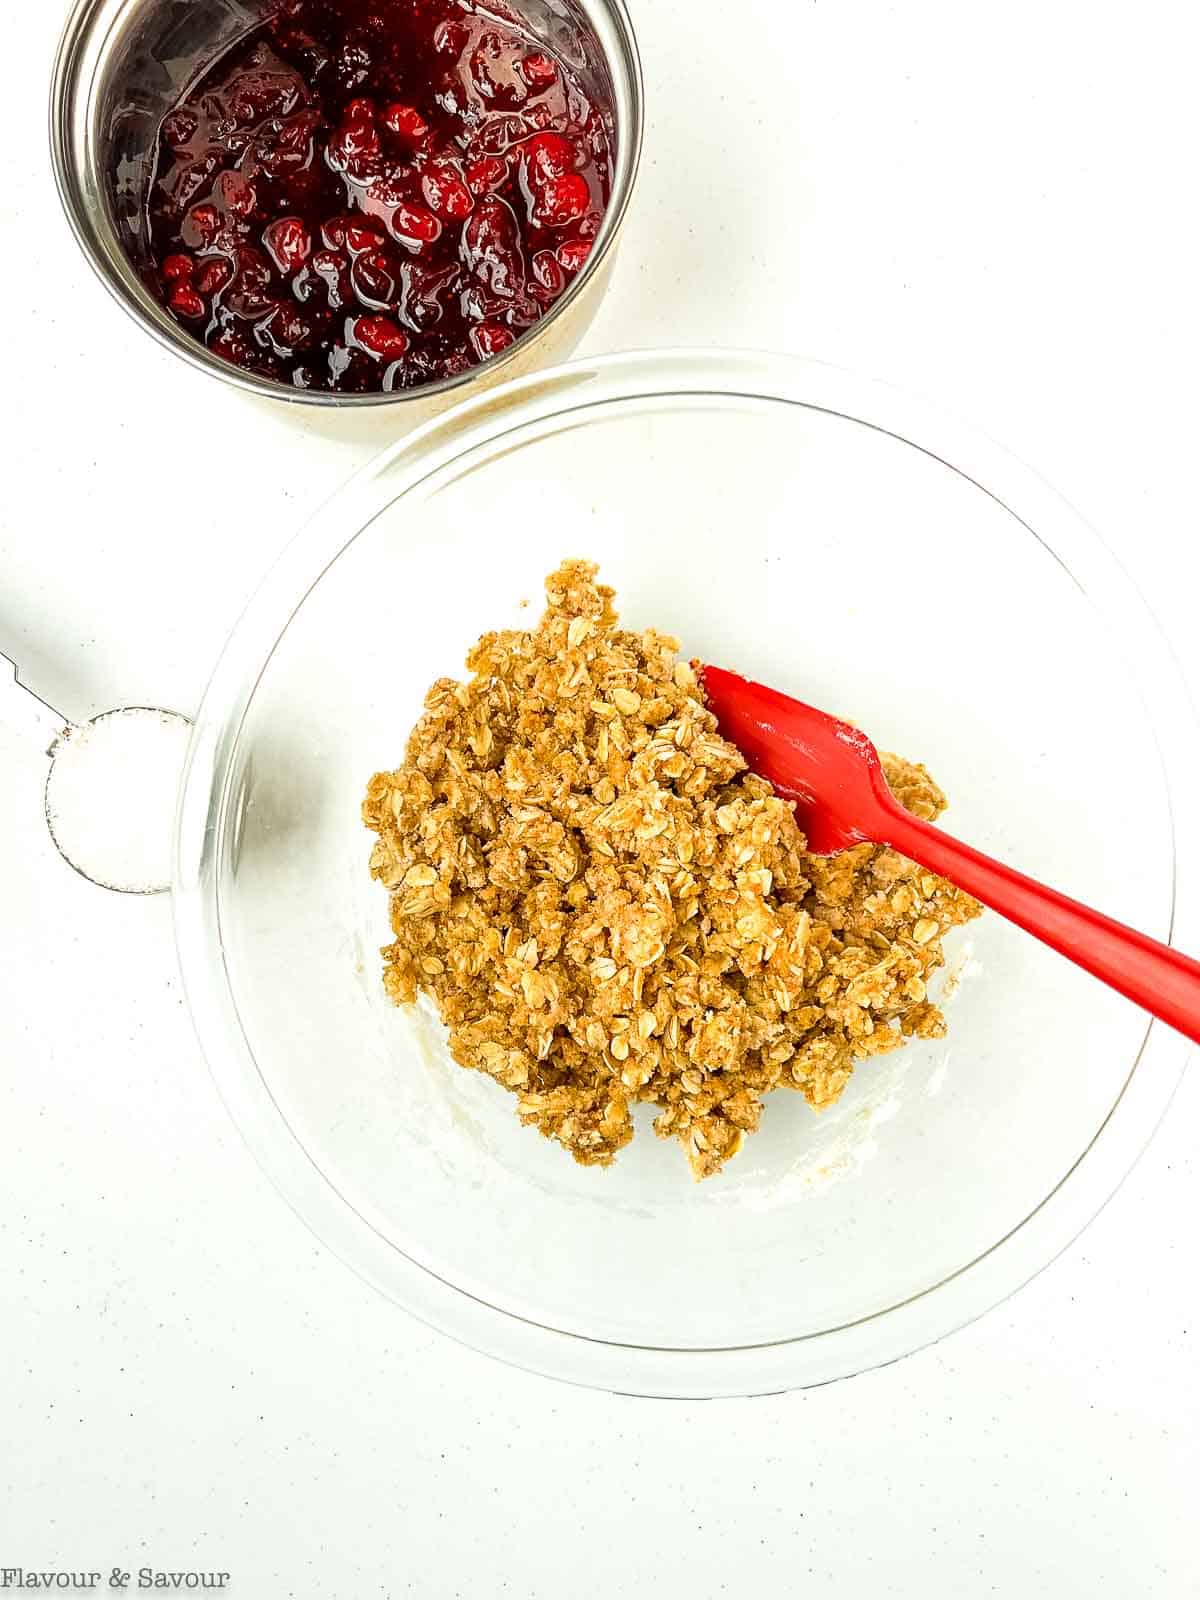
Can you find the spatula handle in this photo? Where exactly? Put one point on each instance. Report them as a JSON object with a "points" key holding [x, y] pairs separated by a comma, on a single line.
{"points": [[1161, 980]]}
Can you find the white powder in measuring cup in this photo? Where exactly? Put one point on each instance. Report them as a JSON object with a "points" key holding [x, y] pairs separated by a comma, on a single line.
{"points": [[111, 797]]}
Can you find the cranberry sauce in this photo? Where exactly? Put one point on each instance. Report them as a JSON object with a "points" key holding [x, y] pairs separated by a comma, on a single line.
{"points": [[375, 194]]}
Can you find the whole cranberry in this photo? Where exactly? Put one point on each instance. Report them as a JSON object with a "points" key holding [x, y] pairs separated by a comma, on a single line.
{"points": [[546, 156], [418, 367], [236, 194], [561, 200], [425, 293], [252, 270], [289, 329], [234, 346], [201, 226], [486, 173], [413, 226], [288, 244], [354, 147], [178, 269], [185, 302], [490, 338], [333, 232], [248, 294], [549, 280], [360, 237], [574, 253], [374, 278], [213, 276], [538, 70], [492, 247], [445, 192], [405, 122], [380, 337]]}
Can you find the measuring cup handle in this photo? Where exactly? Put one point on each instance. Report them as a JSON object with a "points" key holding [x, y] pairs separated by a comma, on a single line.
{"points": [[25, 713]]}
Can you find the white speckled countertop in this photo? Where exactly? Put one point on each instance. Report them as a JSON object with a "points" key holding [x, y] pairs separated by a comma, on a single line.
{"points": [[989, 205]]}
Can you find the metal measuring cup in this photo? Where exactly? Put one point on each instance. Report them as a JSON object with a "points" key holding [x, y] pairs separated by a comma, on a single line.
{"points": [[89, 762]]}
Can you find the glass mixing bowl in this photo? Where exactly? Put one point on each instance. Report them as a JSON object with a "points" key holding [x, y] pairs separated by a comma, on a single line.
{"points": [[822, 534]]}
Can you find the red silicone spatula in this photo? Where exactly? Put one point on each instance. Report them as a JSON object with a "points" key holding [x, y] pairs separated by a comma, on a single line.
{"points": [[832, 771]]}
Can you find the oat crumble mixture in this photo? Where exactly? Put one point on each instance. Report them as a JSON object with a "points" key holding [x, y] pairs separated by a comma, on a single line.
{"points": [[607, 907]]}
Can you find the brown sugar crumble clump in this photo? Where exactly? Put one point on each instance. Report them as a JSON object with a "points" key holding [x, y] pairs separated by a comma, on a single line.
{"points": [[606, 906]]}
